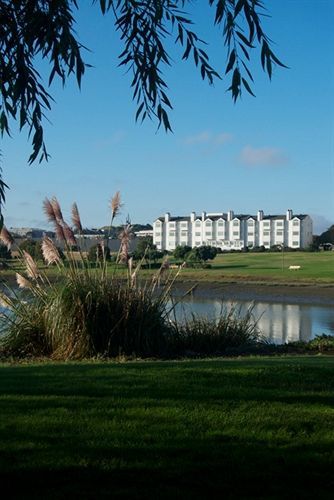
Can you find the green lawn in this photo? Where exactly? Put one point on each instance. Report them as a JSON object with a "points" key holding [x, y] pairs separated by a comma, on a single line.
{"points": [[260, 428], [316, 268]]}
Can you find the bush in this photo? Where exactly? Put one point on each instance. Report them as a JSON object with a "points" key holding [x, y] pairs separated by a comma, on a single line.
{"points": [[33, 248], [256, 249], [182, 251], [86, 312], [97, 253], [202, 336]]}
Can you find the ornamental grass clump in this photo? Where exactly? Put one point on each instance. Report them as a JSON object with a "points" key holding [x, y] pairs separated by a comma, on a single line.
{"points": [[203, 336], [85, 311]]}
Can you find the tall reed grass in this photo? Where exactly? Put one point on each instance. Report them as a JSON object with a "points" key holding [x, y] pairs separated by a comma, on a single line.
{"points": [[203, 336], [89, 311]]}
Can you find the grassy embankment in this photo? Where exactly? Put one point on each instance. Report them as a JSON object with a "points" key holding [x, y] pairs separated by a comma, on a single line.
{"points": [[261, 428], [316, 269]]}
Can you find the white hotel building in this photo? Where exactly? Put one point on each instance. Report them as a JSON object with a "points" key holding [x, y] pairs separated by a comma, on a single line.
{"points": [[229, 231]]}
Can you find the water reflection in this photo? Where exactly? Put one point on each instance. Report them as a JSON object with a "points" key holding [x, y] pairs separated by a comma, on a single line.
{"points": [[279, 322]]}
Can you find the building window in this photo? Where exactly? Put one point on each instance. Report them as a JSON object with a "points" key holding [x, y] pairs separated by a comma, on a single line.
{"points": [[266, 224], [220, 233], [157, 233], [295, 223], [184, 233], [172, 233], [235, 233], [279, 223], [220, 223], [295, 233], [208, 223], [266, 233], [208, 233], [279, 233], [250, 234], [197, 234], [235, 223], [198, 223], [184, 224], [295, 243]]}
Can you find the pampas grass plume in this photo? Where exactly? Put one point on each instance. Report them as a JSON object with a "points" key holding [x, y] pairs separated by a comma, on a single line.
{"points": [[115, 204], [49, 211], [76, 221], [22, 281], [57, 210], [49, 251], [31, 266], [6, 237]]}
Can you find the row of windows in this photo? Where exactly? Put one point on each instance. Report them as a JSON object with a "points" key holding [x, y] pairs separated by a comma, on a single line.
{"points": [[220, 233], [199, 242], [172, 234]]}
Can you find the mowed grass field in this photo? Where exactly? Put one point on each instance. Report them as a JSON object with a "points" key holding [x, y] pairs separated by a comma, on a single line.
{"points": [[317, 267], [242, 428]]}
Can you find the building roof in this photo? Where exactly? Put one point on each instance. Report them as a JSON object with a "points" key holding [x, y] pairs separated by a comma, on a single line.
{"points": [[235, 216]]}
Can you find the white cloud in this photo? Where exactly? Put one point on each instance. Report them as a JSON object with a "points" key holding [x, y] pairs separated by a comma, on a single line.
{"points": [[223, 138], [206, 137], [265, 156]]}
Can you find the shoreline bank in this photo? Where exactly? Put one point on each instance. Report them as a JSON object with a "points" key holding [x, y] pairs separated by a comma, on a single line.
{"points": [[258, 292]]}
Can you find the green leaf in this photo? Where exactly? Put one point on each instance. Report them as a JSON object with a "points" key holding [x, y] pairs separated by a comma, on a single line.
{"points": [[231, 61], [247, 87], [139, 110]]}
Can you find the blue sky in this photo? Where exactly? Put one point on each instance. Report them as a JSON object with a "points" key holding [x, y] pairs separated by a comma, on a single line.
{"points": [[272, 152]]}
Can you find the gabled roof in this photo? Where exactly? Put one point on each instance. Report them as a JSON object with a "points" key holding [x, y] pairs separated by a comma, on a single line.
{"points": [[175, 219], [223, 216]]}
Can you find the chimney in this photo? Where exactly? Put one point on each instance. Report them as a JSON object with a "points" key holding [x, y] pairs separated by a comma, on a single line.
{"points": [[192, 216], [230, 215], [167, 217], [260, 215], [203, 216], [289, 214]]}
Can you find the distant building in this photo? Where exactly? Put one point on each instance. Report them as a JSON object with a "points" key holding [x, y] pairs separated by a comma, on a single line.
{"points": [[31, 232], [144, 233], [229, 231]]}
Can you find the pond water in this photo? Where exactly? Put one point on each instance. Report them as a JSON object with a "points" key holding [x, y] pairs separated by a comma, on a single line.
{"points": [[279, 322]]}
